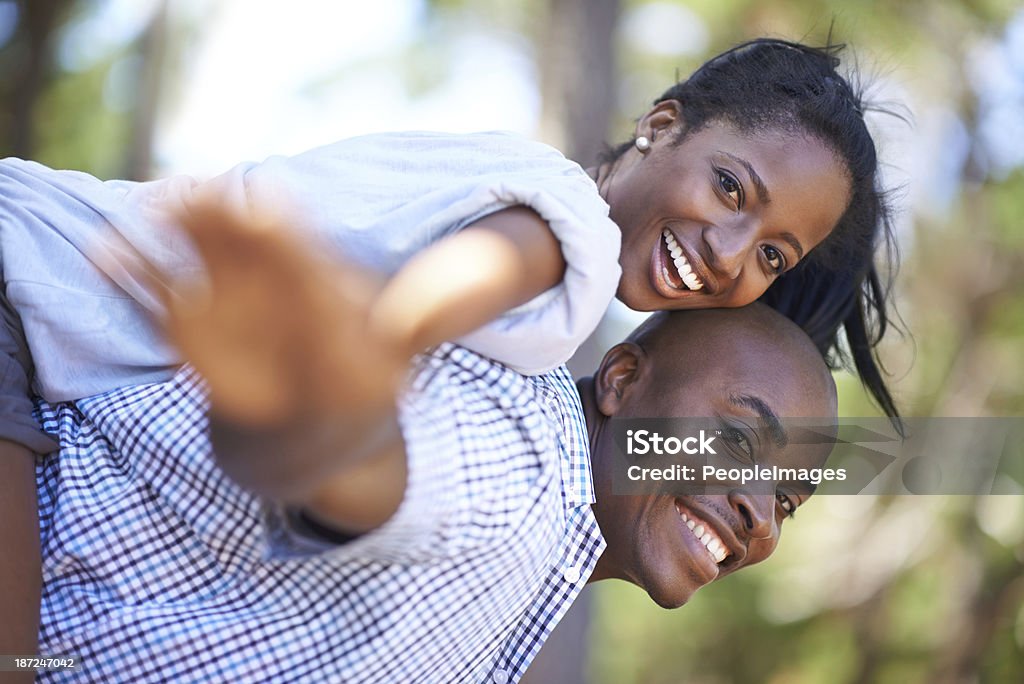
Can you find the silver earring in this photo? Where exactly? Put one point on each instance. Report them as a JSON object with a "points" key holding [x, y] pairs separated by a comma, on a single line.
{"points": [[642, 143]]}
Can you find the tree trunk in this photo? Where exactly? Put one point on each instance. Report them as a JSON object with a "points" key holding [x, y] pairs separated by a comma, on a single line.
{"points": [[33, 57], [578, 76], [578, 87], [152, 52]]}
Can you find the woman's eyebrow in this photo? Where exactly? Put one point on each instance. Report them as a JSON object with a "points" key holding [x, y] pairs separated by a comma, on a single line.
{"points": [[794, 243], [762, 189]]}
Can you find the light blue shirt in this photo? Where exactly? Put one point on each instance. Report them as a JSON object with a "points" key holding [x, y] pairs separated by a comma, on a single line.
{"points": [[376, 199]]}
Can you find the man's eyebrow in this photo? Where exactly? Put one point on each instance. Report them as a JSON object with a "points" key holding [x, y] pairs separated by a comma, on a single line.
{"points": [[762, 189], [766, 414]]}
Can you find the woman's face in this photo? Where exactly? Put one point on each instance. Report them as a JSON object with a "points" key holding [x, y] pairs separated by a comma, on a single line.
{"points": [[712, 222]]}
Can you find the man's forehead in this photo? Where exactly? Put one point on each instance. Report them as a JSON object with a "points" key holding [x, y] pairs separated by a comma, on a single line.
{"points": [[750, 352], [778, 380]]}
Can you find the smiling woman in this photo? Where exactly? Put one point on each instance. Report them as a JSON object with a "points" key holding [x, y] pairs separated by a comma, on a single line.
{"points": [[709, 242], [757, 178]]}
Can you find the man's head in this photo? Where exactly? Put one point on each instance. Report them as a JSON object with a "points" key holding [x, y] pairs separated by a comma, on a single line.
{"points": [[736, 367]]}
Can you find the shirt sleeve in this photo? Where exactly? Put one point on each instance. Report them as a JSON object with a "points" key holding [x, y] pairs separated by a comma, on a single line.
{"points": [[16, 421], [377, 199], [472, 475], [546, 331], [381, 199]]}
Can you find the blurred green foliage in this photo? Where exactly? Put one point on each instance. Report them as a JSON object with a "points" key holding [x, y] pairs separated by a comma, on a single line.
{"points": [[94, 138]]}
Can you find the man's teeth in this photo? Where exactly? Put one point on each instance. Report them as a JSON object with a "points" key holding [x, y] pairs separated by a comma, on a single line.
{"points": [[689, 278], [712, 543]]}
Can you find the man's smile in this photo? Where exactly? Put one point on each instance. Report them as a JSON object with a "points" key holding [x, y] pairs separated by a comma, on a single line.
{"points": [[718, 544]]}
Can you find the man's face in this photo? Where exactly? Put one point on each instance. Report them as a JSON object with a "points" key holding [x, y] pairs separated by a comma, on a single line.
{"points": [[671, 545]]}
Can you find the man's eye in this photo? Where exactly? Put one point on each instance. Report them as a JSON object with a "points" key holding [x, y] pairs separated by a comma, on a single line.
{"points": [[739, 441], [776, 261], [787, 505], [731, 187]]}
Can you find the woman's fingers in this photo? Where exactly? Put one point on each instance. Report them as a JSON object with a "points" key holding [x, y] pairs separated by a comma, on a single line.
{"points": [[281, 329], [115, 255], [276, 325]]}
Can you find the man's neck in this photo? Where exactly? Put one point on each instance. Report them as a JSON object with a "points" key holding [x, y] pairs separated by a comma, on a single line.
{"points": [[593, 417]]}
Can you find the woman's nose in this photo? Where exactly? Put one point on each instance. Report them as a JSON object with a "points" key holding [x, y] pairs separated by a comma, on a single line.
{"points": [[729, 247]]}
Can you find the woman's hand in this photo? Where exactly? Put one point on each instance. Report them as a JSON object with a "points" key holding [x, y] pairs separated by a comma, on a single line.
{"points": [[277, 329], [302, 391]]}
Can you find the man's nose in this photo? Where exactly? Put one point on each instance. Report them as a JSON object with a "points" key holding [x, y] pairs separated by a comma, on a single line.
{"points": [[730, 245], [756, 512]]}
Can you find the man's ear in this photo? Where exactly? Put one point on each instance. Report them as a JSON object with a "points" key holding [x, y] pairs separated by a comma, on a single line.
{"points": [[662, 117], [621, 368]]}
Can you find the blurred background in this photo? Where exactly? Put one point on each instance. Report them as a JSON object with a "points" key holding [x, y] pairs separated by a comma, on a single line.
{"points": [[862, 589]]}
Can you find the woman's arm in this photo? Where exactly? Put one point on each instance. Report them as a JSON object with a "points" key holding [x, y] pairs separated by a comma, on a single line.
{"points": [[302, 391], [462, 282], [255, 328], [303, 355], [20, 564]]}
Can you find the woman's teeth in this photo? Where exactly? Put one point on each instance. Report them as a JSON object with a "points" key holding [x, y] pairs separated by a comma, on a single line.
{"points": [[706, 536], [689, 278]]}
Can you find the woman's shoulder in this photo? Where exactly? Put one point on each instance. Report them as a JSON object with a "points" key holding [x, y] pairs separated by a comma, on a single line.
{"points": [[493, 146]]}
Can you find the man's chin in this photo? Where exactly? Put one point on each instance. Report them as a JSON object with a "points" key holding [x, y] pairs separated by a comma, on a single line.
{"points": [[672, 597], [673, 583]]}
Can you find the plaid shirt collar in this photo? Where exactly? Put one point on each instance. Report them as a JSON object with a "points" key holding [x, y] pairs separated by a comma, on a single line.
{"points": [[562, 400]]}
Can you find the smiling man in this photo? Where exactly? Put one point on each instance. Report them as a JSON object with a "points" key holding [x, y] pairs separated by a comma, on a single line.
{"points": [[746, 364], [441, 541]]}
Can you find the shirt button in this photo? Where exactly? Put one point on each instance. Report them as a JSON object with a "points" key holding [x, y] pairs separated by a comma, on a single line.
{"points": [[571, 574], [500, 677]]}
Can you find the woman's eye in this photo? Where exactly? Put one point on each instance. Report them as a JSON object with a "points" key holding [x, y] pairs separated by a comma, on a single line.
{"points": [[787, 505], [775, 259], [731, 187]]}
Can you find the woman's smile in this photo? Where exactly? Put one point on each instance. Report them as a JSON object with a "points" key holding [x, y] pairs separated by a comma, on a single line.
{"points": [[688, 280], [676, 272], [714, 219]]}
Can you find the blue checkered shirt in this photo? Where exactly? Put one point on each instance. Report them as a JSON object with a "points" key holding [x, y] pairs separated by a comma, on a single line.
{"points": [[157, 568]]}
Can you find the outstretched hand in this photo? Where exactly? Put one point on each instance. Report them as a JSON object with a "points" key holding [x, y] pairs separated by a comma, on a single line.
{"points": [[277, 329]]}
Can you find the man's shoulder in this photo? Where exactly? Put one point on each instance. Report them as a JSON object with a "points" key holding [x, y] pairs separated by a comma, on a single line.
{"points": [[489, 401], [455, 366], [543, 408]]}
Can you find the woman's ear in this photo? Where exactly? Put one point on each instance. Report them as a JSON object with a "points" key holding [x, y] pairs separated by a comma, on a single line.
{"points": [[620, 369], [662, 117]]}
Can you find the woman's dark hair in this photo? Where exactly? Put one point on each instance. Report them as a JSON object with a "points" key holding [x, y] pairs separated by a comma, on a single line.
{"points": [[771, 84]]}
